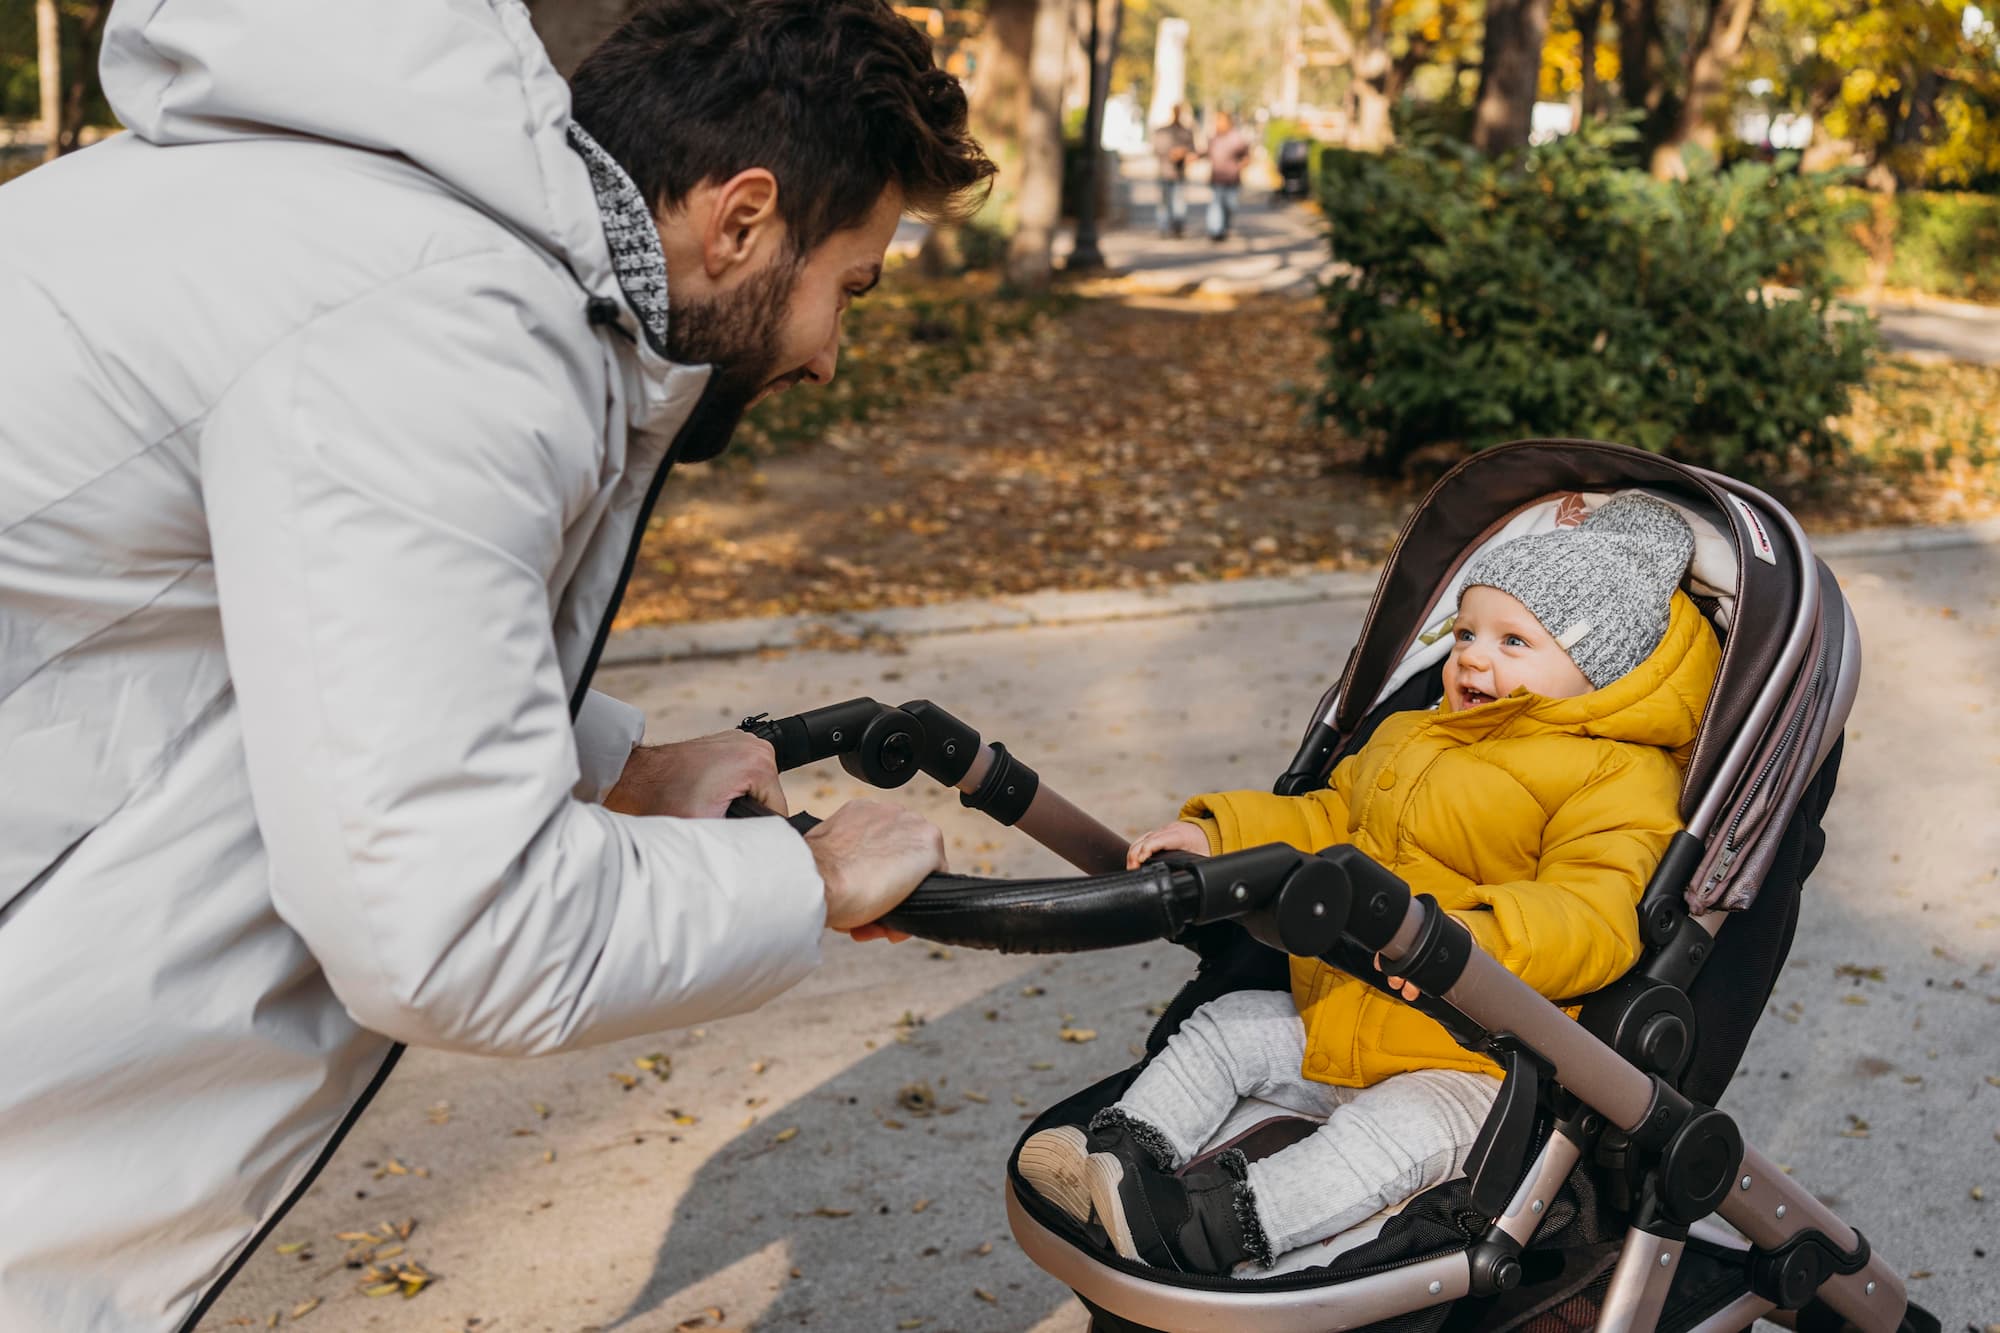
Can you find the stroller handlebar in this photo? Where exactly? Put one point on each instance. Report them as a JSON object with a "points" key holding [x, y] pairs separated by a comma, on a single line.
{"points": [[1303, 901]]}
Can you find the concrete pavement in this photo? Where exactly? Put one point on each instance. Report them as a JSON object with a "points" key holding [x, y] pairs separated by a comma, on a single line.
{"points": [[554, 1198]]}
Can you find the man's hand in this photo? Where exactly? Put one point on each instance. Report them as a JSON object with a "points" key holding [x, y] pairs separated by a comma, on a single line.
{"points": [[1179, 836], [698, 779], [871, 854]]}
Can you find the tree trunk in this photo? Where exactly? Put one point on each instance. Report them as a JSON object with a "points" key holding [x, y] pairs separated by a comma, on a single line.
{"points": [[1370, 128], [48, 68], [1030, 258], [571, 29], [1727, 24], [81, 77], [1639, 55], [1510, 72], [998, 102], [1589, 20]]}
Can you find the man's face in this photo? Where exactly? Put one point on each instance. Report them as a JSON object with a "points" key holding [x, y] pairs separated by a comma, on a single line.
{"points": [[777, 323]]}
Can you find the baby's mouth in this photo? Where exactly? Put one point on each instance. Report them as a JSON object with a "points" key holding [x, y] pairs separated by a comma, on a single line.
{"points": [[1471, 698]]}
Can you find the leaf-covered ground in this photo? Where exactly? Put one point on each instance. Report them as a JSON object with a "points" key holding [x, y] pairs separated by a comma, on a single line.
{"points": [[986, 448]]}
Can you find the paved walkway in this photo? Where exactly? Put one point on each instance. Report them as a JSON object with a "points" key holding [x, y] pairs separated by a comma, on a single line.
{"points": [[834, 1162]]}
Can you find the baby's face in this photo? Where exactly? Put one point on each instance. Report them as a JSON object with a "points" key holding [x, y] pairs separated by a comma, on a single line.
{"points": [[1498, 647]]}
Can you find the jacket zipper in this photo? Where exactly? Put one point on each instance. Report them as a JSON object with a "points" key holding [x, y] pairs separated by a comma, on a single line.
{"points": [[346, 1124]]}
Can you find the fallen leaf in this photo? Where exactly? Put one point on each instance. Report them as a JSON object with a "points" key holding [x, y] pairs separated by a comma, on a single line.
{"points": [[1078, 1034], [985, 1295], [785, 1135], [305, 1307]]}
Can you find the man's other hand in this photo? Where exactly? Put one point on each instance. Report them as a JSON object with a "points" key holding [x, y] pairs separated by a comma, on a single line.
{"points": [[698, 779], [871, 854]]}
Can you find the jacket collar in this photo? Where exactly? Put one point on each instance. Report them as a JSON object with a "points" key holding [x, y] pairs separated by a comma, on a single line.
{"points": [[636, 258]]}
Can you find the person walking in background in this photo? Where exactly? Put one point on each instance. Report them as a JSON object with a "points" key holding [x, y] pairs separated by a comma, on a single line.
{"points": [[1228, 150], [1173, 147]]}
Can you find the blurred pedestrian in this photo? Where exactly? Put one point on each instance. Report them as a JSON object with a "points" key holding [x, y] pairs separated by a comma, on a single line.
{"points": [[1173, 150], [1228, 149]]}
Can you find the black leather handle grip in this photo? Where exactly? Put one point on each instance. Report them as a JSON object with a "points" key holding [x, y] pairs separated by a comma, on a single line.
{"points": [[1047, 915], [1067, 915]]}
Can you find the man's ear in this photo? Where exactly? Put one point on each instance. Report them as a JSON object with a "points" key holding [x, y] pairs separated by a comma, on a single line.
{"points": [[743, 223]]}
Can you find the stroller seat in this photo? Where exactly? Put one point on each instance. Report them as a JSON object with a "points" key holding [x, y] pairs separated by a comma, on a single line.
{"points": [[1605, 1190]]}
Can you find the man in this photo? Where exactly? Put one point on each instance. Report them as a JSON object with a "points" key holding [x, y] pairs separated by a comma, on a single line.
{"points": [[1228, 150], [1173, 149], [336, 397]]}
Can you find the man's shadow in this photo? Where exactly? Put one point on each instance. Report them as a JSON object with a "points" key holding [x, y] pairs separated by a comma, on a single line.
{"points": [[888, 1204]]}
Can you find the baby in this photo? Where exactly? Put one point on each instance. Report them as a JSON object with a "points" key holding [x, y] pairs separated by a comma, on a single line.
{"points": [[1533, 802]]}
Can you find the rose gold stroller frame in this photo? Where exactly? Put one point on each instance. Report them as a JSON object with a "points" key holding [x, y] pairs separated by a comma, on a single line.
{"points": [[1781, 699]]}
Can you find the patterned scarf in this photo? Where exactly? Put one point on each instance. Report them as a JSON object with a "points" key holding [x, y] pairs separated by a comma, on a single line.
{"points": [[634, 238]]}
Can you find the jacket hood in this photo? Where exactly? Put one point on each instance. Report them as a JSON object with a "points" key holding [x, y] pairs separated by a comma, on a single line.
{"points": [[461, 88], [1660, 702]]}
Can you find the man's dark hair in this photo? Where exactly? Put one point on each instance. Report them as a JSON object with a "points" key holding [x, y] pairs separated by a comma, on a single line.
{"points": [[838, 99]]}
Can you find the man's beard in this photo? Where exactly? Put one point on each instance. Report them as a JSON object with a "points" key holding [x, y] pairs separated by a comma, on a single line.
{"points": [[737, 334]]}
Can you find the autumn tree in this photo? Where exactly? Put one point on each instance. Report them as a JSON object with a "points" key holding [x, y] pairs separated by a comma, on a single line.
{"points": [[1910, 88], [1711, 56]]}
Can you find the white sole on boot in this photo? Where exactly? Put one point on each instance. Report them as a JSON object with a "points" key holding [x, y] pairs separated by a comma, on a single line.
{"points": [[1104, 1173], [1053, 1162]]}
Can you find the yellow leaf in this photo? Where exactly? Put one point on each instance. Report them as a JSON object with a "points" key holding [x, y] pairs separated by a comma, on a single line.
{"points": [[382, 1289], [1078, 1034], [304, 1308], [291, 1247], [786, 1135]]}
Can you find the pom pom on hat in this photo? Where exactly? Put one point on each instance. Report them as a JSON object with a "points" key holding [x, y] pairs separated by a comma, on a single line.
{"points": [[1601, 589]]}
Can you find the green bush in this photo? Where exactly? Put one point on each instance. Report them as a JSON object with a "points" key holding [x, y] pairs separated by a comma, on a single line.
{"points": [[1554, 294], [1944, 244]]}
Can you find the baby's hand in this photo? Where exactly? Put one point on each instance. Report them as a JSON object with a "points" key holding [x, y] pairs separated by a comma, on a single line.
{"points": [[1407, 989], [1178, 836]]}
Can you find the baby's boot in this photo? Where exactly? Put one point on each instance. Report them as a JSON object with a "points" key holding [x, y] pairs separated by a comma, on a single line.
{"points": [[1054, 1160], [1202, 1221]]}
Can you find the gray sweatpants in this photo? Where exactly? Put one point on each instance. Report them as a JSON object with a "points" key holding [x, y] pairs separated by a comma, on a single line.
{"points": [[1379, 1145]]}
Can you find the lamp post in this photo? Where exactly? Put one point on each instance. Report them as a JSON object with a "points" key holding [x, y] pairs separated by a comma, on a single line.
{"points": [[1085, 254]]}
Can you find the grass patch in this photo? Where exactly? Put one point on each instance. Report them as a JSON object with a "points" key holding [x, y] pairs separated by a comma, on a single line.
{"points": [[1926, 448]]}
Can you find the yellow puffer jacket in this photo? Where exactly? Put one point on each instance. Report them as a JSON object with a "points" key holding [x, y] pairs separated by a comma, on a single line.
{"points": [[1534, 821]]}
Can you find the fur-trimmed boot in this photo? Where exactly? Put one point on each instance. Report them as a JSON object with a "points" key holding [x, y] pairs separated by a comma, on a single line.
{"points": [[1054, 1160], [1201, 1221]]}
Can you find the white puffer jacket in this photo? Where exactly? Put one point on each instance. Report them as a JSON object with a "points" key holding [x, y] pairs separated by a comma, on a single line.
{"points": [[316, 484]]}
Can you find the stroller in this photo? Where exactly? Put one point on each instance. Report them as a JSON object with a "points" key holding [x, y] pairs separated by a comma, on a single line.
{"points": [[1604, 1190]]}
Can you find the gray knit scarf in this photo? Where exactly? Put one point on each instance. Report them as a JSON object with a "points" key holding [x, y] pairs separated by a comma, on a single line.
{"points": [[634, 238]]}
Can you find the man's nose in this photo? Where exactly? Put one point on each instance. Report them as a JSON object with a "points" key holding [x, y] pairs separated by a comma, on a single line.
{"points": [[820, 369]]}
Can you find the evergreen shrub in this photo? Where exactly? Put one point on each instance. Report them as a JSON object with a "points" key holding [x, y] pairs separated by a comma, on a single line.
{"points": [[1555, 293]]}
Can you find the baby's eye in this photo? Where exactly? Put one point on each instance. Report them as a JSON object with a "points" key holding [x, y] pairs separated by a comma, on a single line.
{"points": [[1462, 636], [1515, 641]]}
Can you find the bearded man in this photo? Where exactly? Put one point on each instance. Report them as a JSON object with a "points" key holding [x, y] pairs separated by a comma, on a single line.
{"points": [[334, 398]]}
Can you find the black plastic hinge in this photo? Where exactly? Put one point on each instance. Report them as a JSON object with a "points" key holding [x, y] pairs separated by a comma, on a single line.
{"points": [[1791, 1275]]}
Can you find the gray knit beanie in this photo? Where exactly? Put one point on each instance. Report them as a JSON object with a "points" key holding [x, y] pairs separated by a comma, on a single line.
{"points": [[1601, 589]]}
